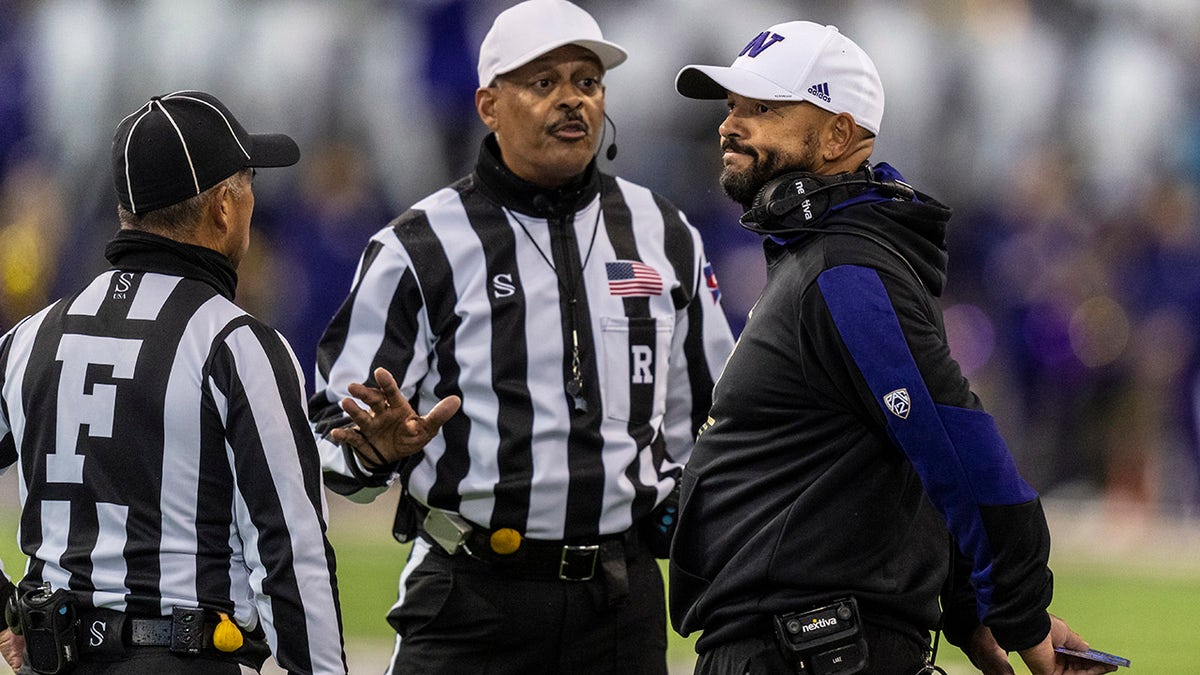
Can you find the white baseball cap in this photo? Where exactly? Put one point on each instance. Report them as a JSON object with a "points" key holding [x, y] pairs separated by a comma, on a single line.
{"points": [[530, 29], [796, 61]]}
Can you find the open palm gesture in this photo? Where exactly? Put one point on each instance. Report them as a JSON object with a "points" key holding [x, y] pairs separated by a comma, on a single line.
{"points": [[388, 429]]}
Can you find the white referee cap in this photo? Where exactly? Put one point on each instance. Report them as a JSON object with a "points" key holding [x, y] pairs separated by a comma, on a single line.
{"points": [[530, 29]]}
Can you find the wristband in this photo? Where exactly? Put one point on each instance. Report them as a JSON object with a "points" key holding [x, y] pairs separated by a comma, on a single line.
{"points": [[374, 476]]}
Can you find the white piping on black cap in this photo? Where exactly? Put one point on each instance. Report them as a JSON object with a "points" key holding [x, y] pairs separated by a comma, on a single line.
{"points": [[182, 141], [128, 138], [180, 94], [146, 158]]}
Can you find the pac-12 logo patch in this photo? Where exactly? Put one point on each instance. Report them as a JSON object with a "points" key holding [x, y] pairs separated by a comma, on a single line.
{"points": [[898, 402]]}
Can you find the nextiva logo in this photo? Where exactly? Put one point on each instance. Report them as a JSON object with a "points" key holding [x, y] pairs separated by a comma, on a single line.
{"points": [[821, 91], [818, 624], [806, 205], [759, 43]]}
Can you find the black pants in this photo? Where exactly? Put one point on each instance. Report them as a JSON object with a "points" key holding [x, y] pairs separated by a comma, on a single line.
{"points": [[153, 661], [890, 653], [459, 615]]}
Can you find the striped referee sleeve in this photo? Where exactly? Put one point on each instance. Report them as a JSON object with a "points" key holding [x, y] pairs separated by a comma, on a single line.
{"points": [[701, 343], [8, 448], [366, 333], [12, 383], [279, 506]]}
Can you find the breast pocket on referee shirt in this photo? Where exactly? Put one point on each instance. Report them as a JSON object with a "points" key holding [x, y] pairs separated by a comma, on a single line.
{"points": [[634, 358]]}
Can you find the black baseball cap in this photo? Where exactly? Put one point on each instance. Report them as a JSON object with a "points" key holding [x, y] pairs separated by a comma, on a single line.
{"points": [[176, 146]]}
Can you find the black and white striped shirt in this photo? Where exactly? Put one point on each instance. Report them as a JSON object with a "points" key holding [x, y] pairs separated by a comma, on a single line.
{"points": [[164, 454], [470, 293]]}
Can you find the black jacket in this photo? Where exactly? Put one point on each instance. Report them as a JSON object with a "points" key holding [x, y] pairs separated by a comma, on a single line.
{"points": [[843, 440]]}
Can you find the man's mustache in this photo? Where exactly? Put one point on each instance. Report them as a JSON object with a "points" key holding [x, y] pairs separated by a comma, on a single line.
{"points": [[731, 145], [570, 117]]}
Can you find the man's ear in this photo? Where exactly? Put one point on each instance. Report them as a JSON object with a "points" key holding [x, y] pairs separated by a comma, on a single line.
{"points": [[838, 137], [485, 105], [221, 208]]}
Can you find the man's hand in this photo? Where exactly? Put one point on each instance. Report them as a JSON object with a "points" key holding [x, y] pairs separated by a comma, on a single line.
{"points": [[986, 655], [388, 429], [1043, 660], [12, 646]]}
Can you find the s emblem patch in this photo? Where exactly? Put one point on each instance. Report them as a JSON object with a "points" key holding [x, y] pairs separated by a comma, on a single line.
{"points": [[898, 402], [97, 631], [503, 286]]}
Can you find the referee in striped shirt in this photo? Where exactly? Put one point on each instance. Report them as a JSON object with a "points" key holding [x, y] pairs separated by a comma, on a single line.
{"points": [[172, 506], [575, 318]]}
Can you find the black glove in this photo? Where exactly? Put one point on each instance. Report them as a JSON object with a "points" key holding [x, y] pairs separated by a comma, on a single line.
{"points": [[8, 605], [658, 528]]}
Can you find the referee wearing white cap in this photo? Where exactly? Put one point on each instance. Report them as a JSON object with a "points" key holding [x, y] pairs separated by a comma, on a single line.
{"points": [[574, 317], [172, 505], [845, 456]]}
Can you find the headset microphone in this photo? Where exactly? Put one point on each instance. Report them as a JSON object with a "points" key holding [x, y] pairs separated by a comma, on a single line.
{"points": [[611, 153]]}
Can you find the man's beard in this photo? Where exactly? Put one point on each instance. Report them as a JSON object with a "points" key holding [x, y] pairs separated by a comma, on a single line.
{"points": [[743, 186]]}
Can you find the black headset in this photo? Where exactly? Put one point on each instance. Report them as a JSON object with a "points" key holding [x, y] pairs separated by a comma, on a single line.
{"points": [[812, 195]]}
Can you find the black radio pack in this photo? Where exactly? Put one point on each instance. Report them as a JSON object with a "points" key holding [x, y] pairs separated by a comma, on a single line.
{"points": [[46, 618], [827, 640]]}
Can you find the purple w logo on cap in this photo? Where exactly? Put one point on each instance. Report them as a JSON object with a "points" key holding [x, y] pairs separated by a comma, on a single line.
{"points": [[760, 42]]}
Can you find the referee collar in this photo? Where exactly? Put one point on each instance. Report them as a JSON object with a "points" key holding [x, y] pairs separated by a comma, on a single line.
{"points": [[138, 251], [499, 184]]}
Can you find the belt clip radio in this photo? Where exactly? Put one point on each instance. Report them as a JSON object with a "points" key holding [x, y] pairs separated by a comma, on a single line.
{"points": [[47, 621], [827, 641], [449, 530], [187, 630]]}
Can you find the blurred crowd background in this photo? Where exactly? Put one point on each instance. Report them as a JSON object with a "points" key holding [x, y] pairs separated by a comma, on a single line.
{"points": [[1065, 134]]}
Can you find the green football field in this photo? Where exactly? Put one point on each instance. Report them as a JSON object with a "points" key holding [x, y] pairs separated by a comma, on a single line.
{"points": [[1150, 617], [1141, 604]]}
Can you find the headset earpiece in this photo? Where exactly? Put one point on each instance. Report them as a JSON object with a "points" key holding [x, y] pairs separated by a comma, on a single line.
{"points": [[813, 195], [795, 190], [771, 201]]}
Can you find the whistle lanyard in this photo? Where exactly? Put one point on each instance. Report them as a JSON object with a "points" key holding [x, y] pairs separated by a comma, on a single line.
{"points": [[570, 289]]}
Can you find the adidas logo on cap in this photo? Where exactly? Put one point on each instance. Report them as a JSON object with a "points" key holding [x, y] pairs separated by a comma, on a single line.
{"points": [[796, 61]]}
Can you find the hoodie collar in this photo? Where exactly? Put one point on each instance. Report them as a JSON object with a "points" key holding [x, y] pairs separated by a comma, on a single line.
{"points": [[880, 172], [915, 228]]}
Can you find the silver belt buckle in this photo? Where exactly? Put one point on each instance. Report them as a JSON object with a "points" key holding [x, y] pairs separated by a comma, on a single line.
{"points": [[577, 556]]}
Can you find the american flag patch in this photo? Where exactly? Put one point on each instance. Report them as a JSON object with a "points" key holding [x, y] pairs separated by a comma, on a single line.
{"points": [[630, 277], [710, 280]]}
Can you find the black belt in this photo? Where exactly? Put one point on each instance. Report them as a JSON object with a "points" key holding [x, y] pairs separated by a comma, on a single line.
{"points": [[575, 560], [567, 560], [151, 632], [98, 625]]}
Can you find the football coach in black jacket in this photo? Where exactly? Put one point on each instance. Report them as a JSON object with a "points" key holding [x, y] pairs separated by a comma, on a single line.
{"points": [[846, 461]]}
